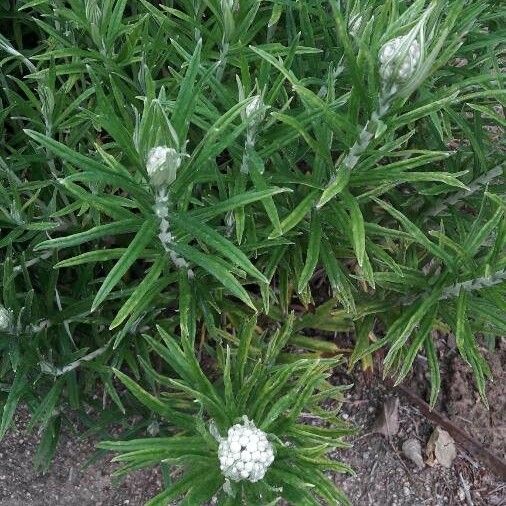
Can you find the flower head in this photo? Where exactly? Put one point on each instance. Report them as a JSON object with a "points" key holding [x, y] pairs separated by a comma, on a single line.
{"points": [[397, 61], [246, 453], [162, 165]]}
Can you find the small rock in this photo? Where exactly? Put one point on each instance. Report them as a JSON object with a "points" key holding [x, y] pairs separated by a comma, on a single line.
{"points": [[413, 451], [440, 448]]}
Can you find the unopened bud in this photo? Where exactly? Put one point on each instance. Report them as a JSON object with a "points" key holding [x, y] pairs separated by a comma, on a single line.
{"points": [[397, 61], [255, 108], [162, 165]]}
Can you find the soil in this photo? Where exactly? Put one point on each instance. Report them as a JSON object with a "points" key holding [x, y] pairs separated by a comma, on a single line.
{"points": [[465, 409], [384, 476], [69, 481]]}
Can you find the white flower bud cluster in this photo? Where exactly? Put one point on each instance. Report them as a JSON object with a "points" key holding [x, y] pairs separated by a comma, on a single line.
{"points": [[162, 165], [6, 319], [246, 453], [396, 62]]}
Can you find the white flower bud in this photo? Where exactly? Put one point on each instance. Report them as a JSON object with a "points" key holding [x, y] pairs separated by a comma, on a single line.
{"points": [[162, 165], [239, 455], [251, 446], [6, 319], [255, 109], [397, 63]]}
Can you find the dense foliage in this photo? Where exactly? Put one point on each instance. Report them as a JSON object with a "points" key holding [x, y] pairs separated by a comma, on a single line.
{"points": [[209, 167], [253, 387]]}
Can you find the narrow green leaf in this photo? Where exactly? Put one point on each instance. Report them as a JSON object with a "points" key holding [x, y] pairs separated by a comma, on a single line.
{"points": [[422, 334], [313, 252], [143, 237], [102, 255], [152, 402], [187, 310], [216, 269], [140, 291], [235, 202], [187, 96], [16, 391], [209, 236], [415, 232], [298, 214], [110, 229], [268, 202], [83, 162], [180, 487], [434, 372], [336, 185], [341, 286], [357, 226], [243, 352]]}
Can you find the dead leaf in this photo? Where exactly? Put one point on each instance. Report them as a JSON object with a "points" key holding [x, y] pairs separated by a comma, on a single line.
{"points": [[412, 449], [440, 448], [387, 422]]}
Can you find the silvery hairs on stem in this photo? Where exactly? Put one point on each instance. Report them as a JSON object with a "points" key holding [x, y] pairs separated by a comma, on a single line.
{"points": [[473, 187], [399, 59], [474, 284], [470, 285], [162, 164]]}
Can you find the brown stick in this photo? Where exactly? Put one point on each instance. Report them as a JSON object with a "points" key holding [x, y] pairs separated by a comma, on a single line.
{"points": [[493, 462]]}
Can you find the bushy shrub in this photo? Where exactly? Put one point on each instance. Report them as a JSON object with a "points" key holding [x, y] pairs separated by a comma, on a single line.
{"points": [[191, 164]]}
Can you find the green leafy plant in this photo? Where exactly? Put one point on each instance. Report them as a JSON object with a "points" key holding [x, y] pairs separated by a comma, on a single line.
{"points": [[282, 400], [191, 164]]}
